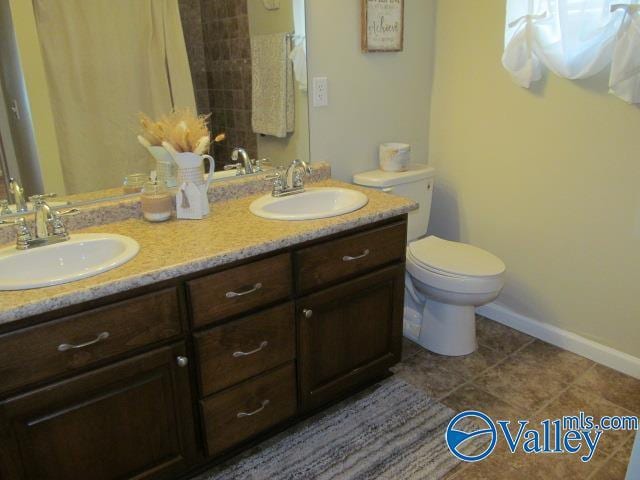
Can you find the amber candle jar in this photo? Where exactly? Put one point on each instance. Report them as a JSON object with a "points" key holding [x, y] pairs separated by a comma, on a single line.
{"points": [[157, 202]]}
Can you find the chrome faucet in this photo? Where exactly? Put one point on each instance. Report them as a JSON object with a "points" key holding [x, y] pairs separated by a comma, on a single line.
{"points": [[18, 196], [290, 181], [246, 161], [49, 227], [247, 165]]}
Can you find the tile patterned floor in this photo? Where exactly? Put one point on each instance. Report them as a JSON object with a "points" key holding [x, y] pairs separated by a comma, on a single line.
{"points": [[514, 376]]}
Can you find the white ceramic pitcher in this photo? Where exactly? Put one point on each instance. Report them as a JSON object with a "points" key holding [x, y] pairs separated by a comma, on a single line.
{"points": [[191, 173], [165, 165]]}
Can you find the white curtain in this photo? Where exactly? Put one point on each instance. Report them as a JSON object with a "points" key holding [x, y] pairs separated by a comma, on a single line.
{"points": [[573, 38], [625, 66], [106, 61]]}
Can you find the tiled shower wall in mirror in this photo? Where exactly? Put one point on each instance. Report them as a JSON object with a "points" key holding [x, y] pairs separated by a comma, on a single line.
{"points": [[217, 35]]}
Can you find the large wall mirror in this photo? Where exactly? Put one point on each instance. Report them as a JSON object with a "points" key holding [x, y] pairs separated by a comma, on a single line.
{"points": [[75, 74]]}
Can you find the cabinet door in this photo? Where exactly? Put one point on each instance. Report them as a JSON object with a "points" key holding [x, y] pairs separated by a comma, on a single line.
{"points": [[130, 420], [349, 334]]}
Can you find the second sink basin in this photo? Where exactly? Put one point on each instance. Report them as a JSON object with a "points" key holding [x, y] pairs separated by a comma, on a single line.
{"points": [[311, 204], [82, 256]]}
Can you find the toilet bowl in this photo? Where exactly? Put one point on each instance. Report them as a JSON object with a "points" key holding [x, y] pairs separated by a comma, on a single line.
{"points": [[445, 281], [449, 280]]}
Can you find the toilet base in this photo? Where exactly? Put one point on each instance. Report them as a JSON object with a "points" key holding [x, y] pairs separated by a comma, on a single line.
{"points": [[448, 329]]}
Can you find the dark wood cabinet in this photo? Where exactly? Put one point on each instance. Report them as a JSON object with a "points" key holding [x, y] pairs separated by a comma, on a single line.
{"points": [[349, 334], [107, 390], [133, 419]]}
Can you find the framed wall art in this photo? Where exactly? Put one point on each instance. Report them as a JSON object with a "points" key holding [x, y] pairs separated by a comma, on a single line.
{"points": [[382, 25]]}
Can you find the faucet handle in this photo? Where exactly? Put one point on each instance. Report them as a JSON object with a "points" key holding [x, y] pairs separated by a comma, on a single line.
{"points": [[260, 162], [4, 207], [66, 213], [278, 173], [278, 181], [41, 198], [23, 236], [57, 225], [234, 166]]}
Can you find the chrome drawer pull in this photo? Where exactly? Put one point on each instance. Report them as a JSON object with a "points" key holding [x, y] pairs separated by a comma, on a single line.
{"points": [[66, 346], [262, 346], [250, 414], [255, 288], [347, 258]]}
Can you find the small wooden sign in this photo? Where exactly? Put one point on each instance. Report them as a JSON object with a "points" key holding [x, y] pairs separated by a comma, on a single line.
{"points": [[382, 25]]}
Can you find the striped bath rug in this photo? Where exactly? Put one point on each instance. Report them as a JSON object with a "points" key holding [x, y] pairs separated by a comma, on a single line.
{"points": [[392, 431]]}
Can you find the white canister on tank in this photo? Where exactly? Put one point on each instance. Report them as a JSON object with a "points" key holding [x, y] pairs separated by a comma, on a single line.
{"points": [[394, 157]]}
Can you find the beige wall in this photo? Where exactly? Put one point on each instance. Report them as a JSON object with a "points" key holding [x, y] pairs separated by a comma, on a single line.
{"points": [[374, 97], [547, 179]]}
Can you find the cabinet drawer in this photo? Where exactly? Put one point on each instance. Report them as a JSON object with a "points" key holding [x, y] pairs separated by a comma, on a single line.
{"points": [[240, 289], [248, 409], [64, 345], [244, 348], [344, 257]]}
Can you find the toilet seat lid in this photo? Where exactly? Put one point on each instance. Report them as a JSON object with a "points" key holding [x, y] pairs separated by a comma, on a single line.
{"points": [[455, 258]]}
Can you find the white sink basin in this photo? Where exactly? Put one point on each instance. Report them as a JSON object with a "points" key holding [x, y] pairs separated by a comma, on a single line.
{"points": [[311, 204], [84, 255]]}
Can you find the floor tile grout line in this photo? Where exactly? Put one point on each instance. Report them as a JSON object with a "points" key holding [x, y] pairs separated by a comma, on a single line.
{"points": [[500, 362], [609, 457], [565, 389], [518, 409], [574, 383], [470, 381]]}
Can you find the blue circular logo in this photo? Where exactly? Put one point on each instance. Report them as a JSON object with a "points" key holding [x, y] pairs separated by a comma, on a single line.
{"points": [[481, 424]]}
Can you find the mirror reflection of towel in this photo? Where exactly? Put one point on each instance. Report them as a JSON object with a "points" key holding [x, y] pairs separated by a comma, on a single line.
{"points": [[299, 59], [273, 107]]}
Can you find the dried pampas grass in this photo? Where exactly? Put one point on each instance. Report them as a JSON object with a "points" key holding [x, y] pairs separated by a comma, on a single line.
{"points": [[187, 131], [153, 132], [182, 129]]}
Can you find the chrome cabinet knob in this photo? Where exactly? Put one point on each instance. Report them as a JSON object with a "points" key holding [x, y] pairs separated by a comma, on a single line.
{"points": [[182, 361], [308, 313]]}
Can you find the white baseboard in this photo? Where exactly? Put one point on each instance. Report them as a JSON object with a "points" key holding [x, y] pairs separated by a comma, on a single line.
{"points": [[610, 357]]}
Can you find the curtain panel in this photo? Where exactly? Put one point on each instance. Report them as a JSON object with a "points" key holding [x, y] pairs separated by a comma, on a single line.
{"points": [[574, 39]]}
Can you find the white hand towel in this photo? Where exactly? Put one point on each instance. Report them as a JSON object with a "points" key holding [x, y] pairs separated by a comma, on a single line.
{"points": [[273, 107]]}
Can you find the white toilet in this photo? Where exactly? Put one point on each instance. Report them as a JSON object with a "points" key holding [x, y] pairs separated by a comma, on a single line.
{"points": [[445, 280]]}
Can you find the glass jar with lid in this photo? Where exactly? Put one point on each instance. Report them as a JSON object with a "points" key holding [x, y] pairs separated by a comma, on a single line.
{"points": [[134, 182]]}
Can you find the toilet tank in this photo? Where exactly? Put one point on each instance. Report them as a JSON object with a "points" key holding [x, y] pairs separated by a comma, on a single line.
{"points": [[416, 184]]}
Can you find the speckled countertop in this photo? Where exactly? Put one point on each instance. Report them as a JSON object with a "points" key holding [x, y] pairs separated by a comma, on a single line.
{"points": [[175, 248]]}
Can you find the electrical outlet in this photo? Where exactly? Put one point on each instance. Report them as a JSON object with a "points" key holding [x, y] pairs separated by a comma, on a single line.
{"points": [[320, 92]]}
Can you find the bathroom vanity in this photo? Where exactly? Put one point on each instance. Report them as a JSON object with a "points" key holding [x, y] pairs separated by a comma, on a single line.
{"points": [[163, 378]]}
